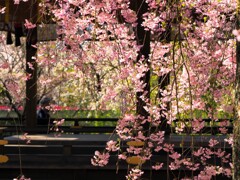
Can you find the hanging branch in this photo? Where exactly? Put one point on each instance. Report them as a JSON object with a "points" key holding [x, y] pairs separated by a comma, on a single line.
{"points": [[236, 125], [10, 99]]}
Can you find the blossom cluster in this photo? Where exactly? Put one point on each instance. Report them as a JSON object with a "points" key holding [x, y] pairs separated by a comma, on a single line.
{"points": [[191, 45], [22, 177], [100, 159], [192, 64]]}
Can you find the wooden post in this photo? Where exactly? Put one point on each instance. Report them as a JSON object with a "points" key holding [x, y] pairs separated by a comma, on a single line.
{"points": [[31, 83], [143, 39]]}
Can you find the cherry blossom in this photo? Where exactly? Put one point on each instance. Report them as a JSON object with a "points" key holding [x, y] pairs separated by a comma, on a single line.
{"points": [[192, 46], [26, 138], [112, 146], [22, 177], [100, 159], [29, 25], [157, 166], [213, 142], [2, 10], [134, 174]]}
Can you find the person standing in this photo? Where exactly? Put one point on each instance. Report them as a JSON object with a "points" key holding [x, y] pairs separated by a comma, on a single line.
{"points": [[43, 116]]}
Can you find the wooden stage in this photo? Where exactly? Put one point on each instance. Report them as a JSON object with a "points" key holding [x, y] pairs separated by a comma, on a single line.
{"points": [[68, 157]]}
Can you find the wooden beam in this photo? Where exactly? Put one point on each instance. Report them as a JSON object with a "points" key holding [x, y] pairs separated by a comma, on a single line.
{"points": [[31, 83]]}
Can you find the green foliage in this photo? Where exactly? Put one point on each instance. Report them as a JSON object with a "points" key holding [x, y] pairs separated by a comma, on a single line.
{"points": [[85, 114]]}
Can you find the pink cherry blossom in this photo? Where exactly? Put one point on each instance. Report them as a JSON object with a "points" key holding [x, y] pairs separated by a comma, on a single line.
{"points": [[134, 174], [213, 142], [112, 146], [2, 10], [29, 25], [98, 56], [157, 166], [100, 159]]}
